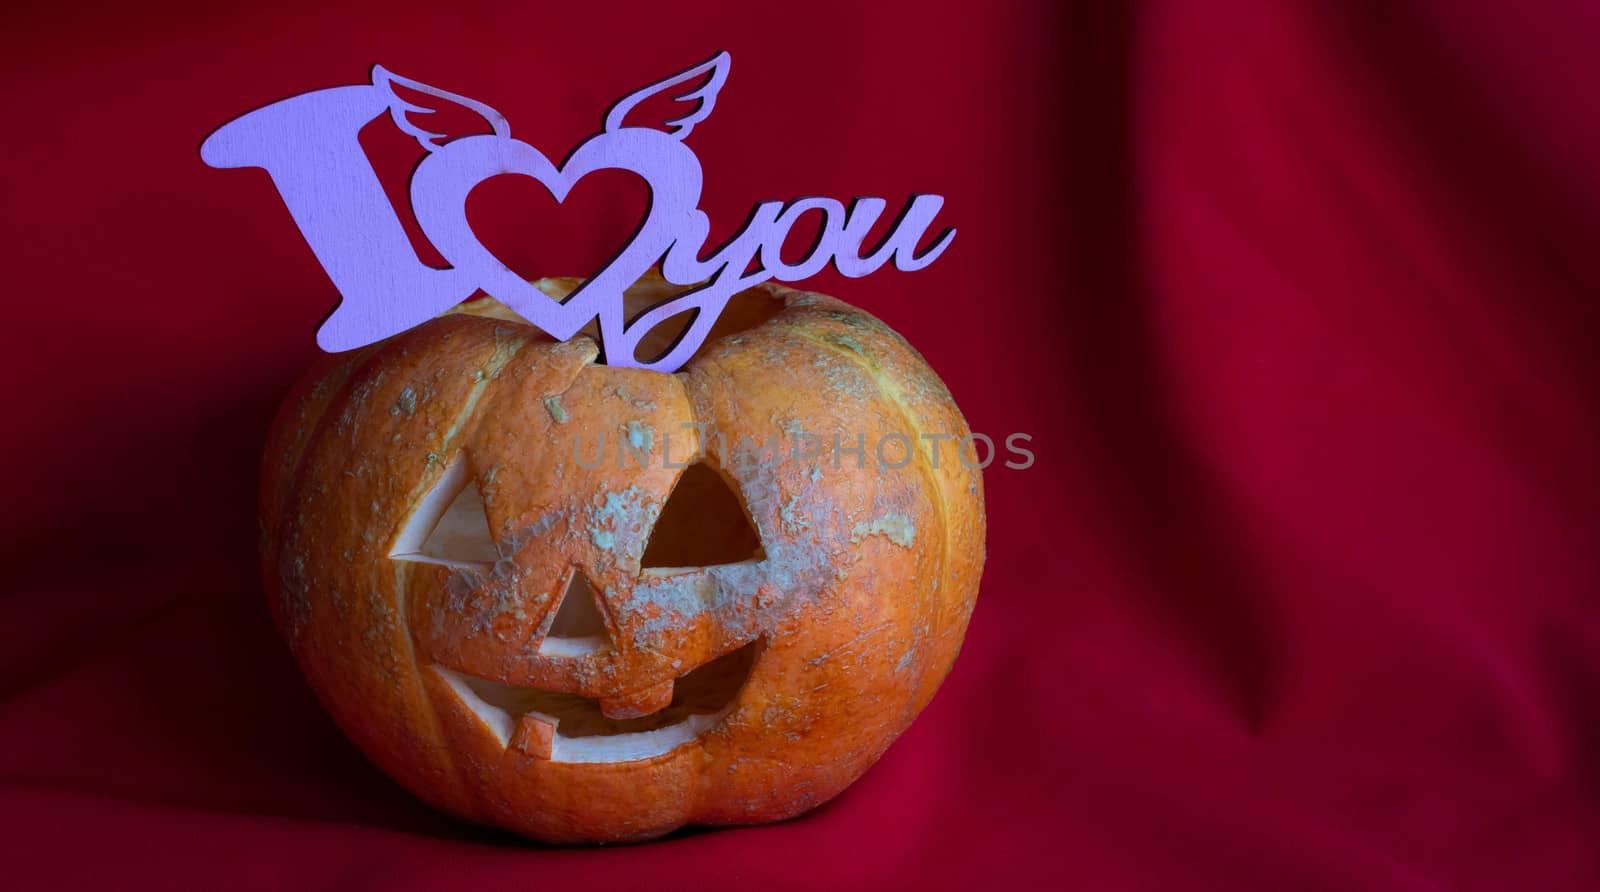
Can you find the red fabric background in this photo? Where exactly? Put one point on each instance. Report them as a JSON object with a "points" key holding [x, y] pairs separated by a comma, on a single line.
{"points": [[1296, 300]]}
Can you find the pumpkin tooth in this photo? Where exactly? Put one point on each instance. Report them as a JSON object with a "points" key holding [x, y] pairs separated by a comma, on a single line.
{"points": [[535, 735], [636, 704]]}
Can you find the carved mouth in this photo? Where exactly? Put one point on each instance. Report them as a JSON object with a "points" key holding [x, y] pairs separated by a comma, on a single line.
{"points": [[565, 727]]}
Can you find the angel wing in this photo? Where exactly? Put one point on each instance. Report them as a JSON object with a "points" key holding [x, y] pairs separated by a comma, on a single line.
{"points": [[705, 80], [400, 108]]}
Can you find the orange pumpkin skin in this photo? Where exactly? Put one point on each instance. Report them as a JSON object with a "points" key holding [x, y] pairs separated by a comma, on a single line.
{"points": [[848, 620]]}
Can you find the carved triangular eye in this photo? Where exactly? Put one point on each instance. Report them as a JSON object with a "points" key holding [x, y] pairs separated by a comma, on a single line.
{"points": [[449, 526], [703, 524], [577, 628]]}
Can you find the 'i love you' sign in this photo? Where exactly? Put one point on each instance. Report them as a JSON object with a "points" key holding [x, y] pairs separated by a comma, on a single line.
{"points": [[309, 145]]}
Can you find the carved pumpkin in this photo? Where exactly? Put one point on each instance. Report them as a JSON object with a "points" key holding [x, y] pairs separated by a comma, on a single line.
{"points": [[586, 651]]}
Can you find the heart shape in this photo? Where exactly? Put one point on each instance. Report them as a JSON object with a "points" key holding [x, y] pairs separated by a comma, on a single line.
{"points": [[440, 186], [520, 222]]}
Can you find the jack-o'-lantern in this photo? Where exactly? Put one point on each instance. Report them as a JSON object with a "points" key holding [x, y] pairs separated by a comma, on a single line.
{"points": [[590, 603]]}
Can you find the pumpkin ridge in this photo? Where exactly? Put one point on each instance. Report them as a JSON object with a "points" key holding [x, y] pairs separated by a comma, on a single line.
{"points": [[281, 474], [510, 347], [936, 496], [360, 366], [294, 481], [402, 590], [402, 569], [891, 393]]}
